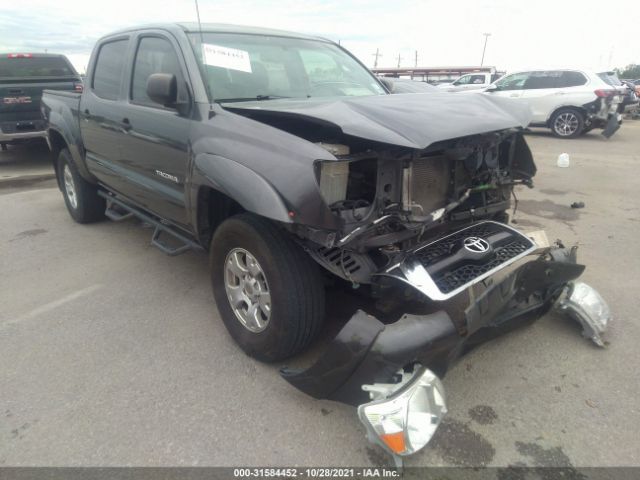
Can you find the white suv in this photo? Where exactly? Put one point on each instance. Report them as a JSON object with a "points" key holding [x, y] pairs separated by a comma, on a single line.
{"points": [[569, 102]]}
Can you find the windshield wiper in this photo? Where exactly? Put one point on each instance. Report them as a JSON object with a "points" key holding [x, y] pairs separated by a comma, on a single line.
{"points": [[250, 99]]}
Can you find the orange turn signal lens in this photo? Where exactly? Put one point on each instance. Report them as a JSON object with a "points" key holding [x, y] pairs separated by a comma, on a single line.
{"points": [[395, 441]]}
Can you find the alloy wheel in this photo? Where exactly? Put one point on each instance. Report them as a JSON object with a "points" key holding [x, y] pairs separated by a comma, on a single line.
{"points": [[247, 290]]}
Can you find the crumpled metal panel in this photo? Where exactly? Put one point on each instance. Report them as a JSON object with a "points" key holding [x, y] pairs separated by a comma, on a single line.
{"points": [[410, 120]]}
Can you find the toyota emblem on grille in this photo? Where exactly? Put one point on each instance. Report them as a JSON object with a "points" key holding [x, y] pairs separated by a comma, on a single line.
{"points": [[476, 244]]}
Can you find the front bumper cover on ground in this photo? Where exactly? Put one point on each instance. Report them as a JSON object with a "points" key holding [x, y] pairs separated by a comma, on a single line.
{"points": [[366, 351]]}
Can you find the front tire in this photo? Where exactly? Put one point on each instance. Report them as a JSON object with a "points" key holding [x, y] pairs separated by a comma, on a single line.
{"points": [[567, 123], [81, 197], [268, 291]]}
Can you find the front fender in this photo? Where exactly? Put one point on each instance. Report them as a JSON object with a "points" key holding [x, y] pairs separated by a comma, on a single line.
{"points": [[241, 184]]}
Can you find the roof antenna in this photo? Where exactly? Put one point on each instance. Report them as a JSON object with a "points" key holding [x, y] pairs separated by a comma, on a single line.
{"points": [[204, 67]]}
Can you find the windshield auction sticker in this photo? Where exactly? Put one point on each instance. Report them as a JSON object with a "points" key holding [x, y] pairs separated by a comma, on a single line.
{"points": [[224, 57]]}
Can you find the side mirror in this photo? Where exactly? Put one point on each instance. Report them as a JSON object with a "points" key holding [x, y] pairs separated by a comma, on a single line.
{"points": [[492, 88], [387, 83], [162, 88]]}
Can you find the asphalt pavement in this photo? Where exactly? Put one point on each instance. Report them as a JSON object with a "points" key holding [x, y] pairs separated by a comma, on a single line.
{"points": [[113, 353]]}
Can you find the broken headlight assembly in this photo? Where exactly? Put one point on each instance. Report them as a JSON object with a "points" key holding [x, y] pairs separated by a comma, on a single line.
{"points": [[584, 304], [403, 416]]}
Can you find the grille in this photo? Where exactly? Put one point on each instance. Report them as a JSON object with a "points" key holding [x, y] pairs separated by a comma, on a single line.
{"points": [[451, 266], [430, 182], [446, 246], [467, 273]]}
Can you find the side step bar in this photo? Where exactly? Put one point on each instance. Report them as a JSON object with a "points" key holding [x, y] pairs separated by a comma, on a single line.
{"points": [[117, 210]]}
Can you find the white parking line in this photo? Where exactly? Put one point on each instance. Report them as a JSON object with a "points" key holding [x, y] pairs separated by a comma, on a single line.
{"points": [[47, 307]]}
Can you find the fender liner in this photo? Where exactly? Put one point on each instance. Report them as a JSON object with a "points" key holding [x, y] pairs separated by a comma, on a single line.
{"points": [[243, 185]]}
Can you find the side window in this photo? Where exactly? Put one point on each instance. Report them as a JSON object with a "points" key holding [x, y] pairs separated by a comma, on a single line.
{"points": [[539, 80], [572, 79], [513, 82], [477, 79], [154, 55], [107, 74], [463, 80]]}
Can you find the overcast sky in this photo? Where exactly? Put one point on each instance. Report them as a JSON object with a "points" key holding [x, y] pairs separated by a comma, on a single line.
{"points": [[542, 33]]}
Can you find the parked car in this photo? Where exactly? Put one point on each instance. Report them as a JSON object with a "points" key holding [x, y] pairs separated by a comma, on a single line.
{"points": [[404, 85], [569, 102], [472, 81], [23, 76], [288, 161]]}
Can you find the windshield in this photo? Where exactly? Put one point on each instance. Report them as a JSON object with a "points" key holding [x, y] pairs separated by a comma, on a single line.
{"points": [[242, 67]]}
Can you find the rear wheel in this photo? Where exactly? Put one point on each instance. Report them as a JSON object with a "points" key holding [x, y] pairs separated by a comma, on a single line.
{"points": [[268, 291], [81, 197], [567, 123]]}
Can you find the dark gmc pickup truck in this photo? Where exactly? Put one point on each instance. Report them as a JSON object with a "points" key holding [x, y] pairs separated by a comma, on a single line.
{"points": [[23, 77], [290, 163]]}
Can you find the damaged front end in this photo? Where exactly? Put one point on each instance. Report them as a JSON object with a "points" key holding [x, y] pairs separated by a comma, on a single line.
{"points": [[423, 217], [392, 372]]}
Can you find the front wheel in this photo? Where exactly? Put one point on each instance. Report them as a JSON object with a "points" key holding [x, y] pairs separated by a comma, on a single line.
{"points": [[268, 291], [567, 123]]}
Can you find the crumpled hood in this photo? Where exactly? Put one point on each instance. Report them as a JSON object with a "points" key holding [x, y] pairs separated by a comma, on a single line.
{"points": [[414, 120]]}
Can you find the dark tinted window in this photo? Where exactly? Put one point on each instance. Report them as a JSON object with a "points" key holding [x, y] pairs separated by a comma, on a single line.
{"points": [[36, 67], [155, 55], [108, 72], [539, 80], [572, 79]]}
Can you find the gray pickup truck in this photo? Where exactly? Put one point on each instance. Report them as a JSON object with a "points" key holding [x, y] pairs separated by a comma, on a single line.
{"points": [[291, 164]]}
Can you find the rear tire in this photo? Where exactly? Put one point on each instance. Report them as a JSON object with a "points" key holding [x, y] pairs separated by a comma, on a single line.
{"points": [[255, 264], [567, 123], [81, 197]]}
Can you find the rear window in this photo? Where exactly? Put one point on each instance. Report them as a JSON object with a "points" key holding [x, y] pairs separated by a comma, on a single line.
{"points": [[22, 67], [107, 74]]}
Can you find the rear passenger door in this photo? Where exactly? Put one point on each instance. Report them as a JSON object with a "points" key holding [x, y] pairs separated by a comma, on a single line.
{"points": [[155, 148]]}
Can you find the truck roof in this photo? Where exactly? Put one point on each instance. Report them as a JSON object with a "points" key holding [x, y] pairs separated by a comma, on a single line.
{"points": [[192, 27]]}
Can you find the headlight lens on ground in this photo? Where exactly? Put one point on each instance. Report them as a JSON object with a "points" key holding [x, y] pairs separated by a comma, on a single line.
{"points": [[584, 303], [405, 421]]}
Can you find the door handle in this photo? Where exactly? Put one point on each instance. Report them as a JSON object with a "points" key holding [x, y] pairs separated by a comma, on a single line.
{"points": [[125, 124], [514, 95]]}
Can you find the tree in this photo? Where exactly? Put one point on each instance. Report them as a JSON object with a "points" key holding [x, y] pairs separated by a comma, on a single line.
{"points": [[630, 71]]}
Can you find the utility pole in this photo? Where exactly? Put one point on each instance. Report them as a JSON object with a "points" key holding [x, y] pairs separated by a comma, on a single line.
{"points": [[376, 55], [416, 64], [486, 37], [399, 58]]}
